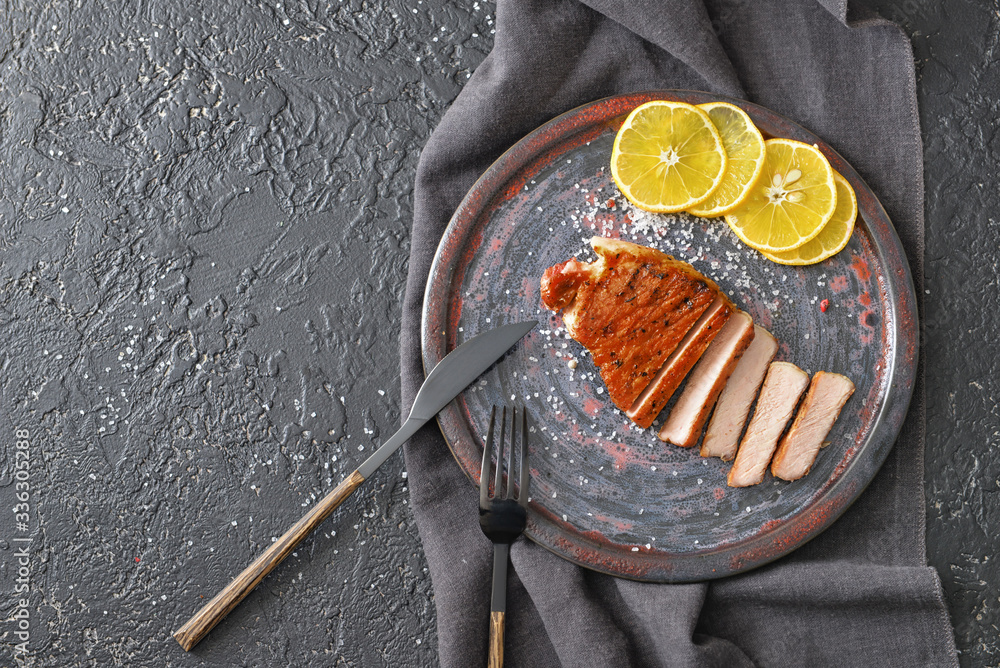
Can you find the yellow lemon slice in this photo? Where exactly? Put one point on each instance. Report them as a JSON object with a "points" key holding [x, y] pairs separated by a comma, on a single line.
{"points": [[834, 235], [745, 150], [791, 202], [667, 156]]}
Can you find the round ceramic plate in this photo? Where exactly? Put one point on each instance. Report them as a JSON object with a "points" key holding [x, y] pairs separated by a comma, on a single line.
{"points": [[604, 493]]}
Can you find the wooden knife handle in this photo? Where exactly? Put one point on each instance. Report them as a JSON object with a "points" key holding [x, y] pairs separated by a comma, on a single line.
{"points": [[496, 640], [212, 613]]}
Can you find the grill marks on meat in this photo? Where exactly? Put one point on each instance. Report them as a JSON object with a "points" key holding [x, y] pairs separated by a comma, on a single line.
{"points": [[723, 434], [658, 393], [630, 343], [630, 308], [783, 386], [683, 426], [828, 392]]}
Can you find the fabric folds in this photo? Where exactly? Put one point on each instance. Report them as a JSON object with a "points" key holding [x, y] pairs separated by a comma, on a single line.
{"points": [[858, 595]]}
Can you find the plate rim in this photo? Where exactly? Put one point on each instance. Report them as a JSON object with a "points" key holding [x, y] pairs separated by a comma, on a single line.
{"points": [[834, 499]]}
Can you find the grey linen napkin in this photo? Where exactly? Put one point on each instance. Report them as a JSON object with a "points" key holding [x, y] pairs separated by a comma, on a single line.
{"points": [[861, 594]]}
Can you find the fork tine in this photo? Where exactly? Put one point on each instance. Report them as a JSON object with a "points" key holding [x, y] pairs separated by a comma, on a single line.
{"points": [[522, 493], [498, 481], [510, 463], [484, 472]]}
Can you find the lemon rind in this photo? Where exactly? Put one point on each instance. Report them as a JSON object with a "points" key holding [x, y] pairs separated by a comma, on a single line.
{"points": [[722, 210], [764, 248], [626, 191], [798, 261]]}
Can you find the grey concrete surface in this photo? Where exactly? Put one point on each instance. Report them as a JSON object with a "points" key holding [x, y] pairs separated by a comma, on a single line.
{"points": [[204, 213], [958, 86]]}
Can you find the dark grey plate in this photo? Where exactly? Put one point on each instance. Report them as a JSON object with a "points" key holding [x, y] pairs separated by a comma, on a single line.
{"points": [[606, 494]]}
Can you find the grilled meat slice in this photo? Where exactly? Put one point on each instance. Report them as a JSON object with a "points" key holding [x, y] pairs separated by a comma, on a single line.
{"points": [[723, 433], [828, 392], [783, 386], [630, 308], [692, 409], [657, 394]]}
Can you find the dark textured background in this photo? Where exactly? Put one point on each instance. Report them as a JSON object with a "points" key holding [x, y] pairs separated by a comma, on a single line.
{"points": [[204, 216]]}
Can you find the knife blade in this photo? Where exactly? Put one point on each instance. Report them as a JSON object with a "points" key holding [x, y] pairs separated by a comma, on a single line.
{"points": [[445, 381], [449, 377]]}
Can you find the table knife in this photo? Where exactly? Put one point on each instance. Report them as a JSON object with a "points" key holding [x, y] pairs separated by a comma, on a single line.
{"points": [[445, 381]]}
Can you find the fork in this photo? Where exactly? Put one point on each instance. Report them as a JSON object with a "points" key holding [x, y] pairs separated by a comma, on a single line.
{"points": [[501, 517]]}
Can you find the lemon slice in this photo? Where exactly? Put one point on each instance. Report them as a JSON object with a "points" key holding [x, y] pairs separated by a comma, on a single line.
{"points": [[834, 235], [745, 150], [668, 156], [791, 202]]}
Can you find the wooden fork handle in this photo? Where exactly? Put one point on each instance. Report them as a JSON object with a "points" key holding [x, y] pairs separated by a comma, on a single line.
{"points": [[212, 613], [496, 640]]}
